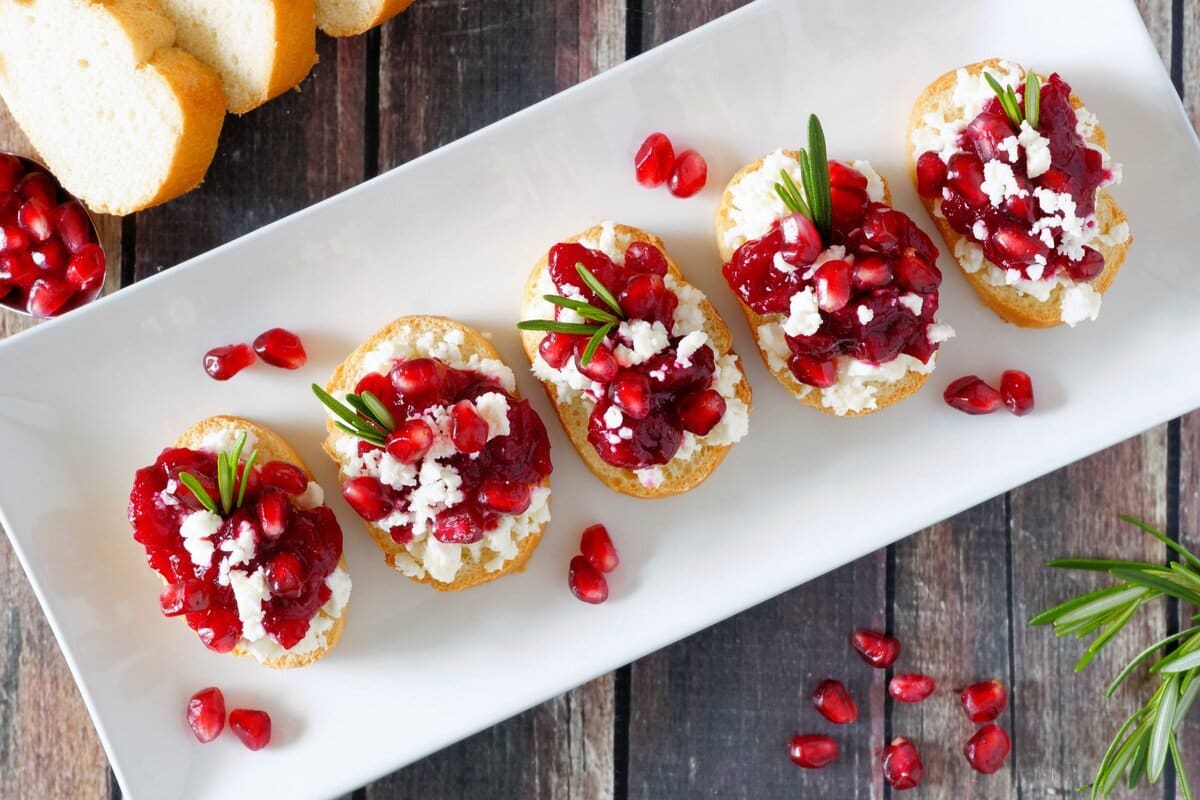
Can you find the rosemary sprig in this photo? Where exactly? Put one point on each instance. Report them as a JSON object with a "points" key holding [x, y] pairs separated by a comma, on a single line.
{"points": [[814, 201], [231, 484], [1142, 745], [598, 322], [1033, 98], [362, 415], [1010, 104]]}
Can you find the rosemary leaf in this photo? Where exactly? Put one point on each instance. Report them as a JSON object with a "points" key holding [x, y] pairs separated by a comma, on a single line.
{"points": [[599, 288], [554, 326], [821, 203], [1163, 729], [198, 491], [245, 477], [1033, 99], [1002, 93], [225, 481], [797, 205], [378, 412], [1144, 656], [593, 344], [587, 310]]}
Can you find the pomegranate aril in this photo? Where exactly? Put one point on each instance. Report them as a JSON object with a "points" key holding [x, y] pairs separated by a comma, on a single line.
{"points": [[812, 751], [222, 363], [506, 497], [832, 282], [74, 226], [884, 229], [1016, 389], [468, 430], [410, 441], [184, 597], [38, 186], [284, 476], [11, 171], [654, 160], [418, 378], [48, 296], [586, 582], [220, 630], [964, 177], [86, 269], [280, 348], [689, 174], [630, 391], [847, 206], [34, 219], [812, 372], [911, 688], [834, 702], [971, 395], [368, 498], [51, 256], [845, 176], [984, 701], [701, 411], [646, 296], [987, 749], [206, 714], [1088, 267], [13, 239], [645, 257], [916, 275], [602, 367], [273, 508], [877, 649], [285, 575], [872, 272], [597, 547], [801, 240], [987, 131], [18, 268], [557, 348], [458, 526], [931, 174], [251, 726], [902, 767]]}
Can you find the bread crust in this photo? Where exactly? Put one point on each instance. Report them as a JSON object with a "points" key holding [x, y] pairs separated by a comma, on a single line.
{"points": [[346, 377], [886, 394], [271, 447], [296, 48], [677, 478], [332, 24], [1009, 304]]}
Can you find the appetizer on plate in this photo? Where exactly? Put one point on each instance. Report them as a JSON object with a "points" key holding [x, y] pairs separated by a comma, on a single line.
{"points": [[446, 464], [249, 554], [637, 362], [839, 288], [1014, 172]]}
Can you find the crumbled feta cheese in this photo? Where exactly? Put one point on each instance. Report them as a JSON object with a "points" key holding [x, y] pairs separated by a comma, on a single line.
{"points": [[874, 182], [613, 418], [804, 318], [651, 477], [312, 496], [196, 530], [939, 332], [646, 341], [999, 183], [1080, 302], [1037, 150], [913, 302], [865, 314], [688, 346], [249, 592], [493, 407]]}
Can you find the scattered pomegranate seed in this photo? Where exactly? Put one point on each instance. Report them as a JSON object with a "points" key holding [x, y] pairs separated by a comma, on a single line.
{"points": [[987, 749], [557, 348], [931, 174], [690, 174], [654, 160], [506, 497], [284, 476], [1016, 389], [801, 240], [252, 727], [48, 296], [972, 396], [630, 390], [902, 767], [877, 649], [220, 630], [418, 377], [285, 575], [367, 497], [812, 751], [984, 701], [598, 548], [834, 702], [410, 441], [184, 597], [812, 372], [911, 688], [700, 412], [206, 714], [645, 257], [603, 367], [273, 509], [832, 282], [468, 430], [586, 582], [222, 363], [280, 348]]}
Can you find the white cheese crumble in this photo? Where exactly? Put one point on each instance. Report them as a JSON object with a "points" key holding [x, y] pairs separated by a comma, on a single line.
{"points": [[312, 496], [318, 627], [224, 439], [493, 408], [874, 182], [804, 314], [647, 340], [1080, 302], [250, 592], [196, 530], [688, 346], [865, 314], [999, 183], [1037, 150], [913, 302]]}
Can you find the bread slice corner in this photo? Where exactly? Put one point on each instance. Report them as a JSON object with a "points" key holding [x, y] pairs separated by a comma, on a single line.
{"points": [[352, 17]]}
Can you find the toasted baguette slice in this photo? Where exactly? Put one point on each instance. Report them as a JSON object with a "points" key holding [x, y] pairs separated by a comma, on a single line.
{"points": [[678, 476], [1010, 304], [351, 17], [271, 447], [260, 48], [886, 394], [345, 378], [122, 116]]}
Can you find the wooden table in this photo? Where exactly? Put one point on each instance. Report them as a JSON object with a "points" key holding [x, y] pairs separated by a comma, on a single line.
{"points": [[709, 716]]}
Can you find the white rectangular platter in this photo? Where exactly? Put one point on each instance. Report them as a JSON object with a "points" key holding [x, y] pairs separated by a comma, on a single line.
{"points": [[86, 400]]}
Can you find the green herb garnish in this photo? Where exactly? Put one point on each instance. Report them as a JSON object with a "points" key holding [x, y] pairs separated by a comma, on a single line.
{"points": [[598, 322], [1010, 104], [814, 201], [230, 486], [362, 415]]}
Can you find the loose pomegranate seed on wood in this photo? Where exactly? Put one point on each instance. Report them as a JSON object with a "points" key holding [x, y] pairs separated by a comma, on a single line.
{"points": [[812, 751], [987, 749], [984, 701], [222, 363], [206, 714], [690, 174], [586, 582], [251, 726], [654, 160], [971, 395], [281, 348], [834, 702], [598, 548], [911, 688], [877, 649], [902, 767], [1016, 389]]}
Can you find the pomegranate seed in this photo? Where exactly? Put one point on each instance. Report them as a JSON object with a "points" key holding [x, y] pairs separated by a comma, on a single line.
{"points": [[273, 508], [915, 275], [18, 268], [700, 412], [285, 575], [252, 727], [645, 257], [847, 205], [603, 366], [284, 476], [34, 219], [51, 256], [38, 186], [984, 701], [689, 175], [647, 297], [206, 714], [631, 393], [1016, 389], [877, 649], [598, 548], [281, 348], [586, 582], [11, 171], [972, 396], [812, 372], [410, 441], [987, 749], [48, 296], [222, 363], [13, 239], [220, 630], [812, 752], [987, 131], [184, 597], [884, 228], [468, 430], [418, 378], [902, 767], [86, 269], [832, 281], [367, 497], [458, 526], [654, 160], [834, 702], [845, 176], [911, 688], [964, 177], [1088, 267], [872, 272], [506, 497], [557, 348], [74, 226], [931, 174], [801, 240]]}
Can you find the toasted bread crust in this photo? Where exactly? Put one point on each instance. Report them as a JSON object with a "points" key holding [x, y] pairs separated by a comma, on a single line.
{"points": [[296, 40], [333, 25], [574, 419], [346, 377], [1008, 303], [271, 447]]}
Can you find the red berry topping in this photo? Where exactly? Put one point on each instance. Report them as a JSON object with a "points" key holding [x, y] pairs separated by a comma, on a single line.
{"points": [[810, 371], [458, 526], [931, 175], [220, 630], [902, 767], [252, 727], [972, 396], [222, 363], [832, 283], [801, 240], [410, 441], [813, 751], [48, 296], [700, 412], [834, 702], [984, 701], [418, 378], [645, 257], [987, 749], [366, 495], [86, 270], [586, 582], [184, 597], [1016, 389], [877, 649], [654, 160], [557, 348], [603, 366], [468, 430], [206, 714], [506, 497], [911, 688], [280, 348], [630, 391], [690, 174], [598, 548], [284, 476], [285, 575], [273, 509], [34, 219]]}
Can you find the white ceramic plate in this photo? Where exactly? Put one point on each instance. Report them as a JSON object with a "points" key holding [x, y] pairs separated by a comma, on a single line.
{"points": [[86, 400]]}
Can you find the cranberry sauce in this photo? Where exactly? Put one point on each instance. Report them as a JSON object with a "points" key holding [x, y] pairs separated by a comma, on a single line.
{"points": [[642, 409], [1022, 225], [876, 300], [498, 475], [302, 552]]}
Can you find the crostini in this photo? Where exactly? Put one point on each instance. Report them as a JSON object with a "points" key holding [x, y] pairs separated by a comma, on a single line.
{"points": [[638, 364], [1019, 191], [839, 288], [250, 556], [446, 464]]}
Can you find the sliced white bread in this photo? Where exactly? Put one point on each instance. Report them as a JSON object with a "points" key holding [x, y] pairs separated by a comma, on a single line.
{"points": [[260, 48], [119, 113], [351, 17], [679, 475], [271, 447], [1009, 303]]}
